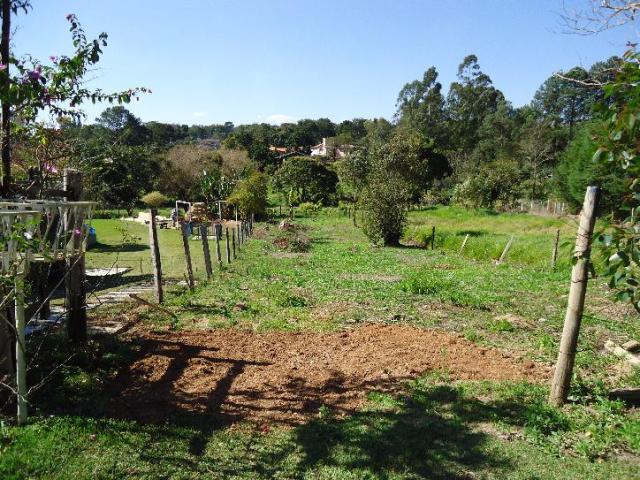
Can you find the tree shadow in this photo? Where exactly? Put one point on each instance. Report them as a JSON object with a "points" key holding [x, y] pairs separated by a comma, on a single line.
{"points": [[471, 233], [423, 429], [118, 248], [106, 282]]}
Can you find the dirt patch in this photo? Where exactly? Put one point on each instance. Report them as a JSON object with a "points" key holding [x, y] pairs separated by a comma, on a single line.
{"points": [[231, 375]]}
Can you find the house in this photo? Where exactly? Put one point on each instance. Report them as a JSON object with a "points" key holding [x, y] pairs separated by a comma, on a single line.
{"points": [[329, 151]]}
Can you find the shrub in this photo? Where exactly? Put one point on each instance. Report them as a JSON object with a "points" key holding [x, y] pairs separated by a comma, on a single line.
{"points": [[154, 199], [384, 202], [309, 209], [495, 184], [250, 195]]}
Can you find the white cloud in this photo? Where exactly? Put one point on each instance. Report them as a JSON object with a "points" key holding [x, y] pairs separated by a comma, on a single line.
{"points": [[278, 118], [199, 114]]}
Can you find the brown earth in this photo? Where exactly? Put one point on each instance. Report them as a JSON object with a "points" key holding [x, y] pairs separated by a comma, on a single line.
{"points": [[231, 375]]}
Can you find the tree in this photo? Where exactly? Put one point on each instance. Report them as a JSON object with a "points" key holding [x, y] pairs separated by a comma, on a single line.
{"points": [[577, 170], [383, 204], [124, 127], [420, 105], [469, 101], [310, 180], [566, 97], [35, 87], [250, 195]]}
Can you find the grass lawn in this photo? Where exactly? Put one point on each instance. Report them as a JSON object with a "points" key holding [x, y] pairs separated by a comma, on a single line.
{"points": [[327, 277]]}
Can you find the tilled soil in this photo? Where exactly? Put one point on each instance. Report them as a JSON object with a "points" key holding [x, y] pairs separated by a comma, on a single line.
{"points": [[232, 375]]}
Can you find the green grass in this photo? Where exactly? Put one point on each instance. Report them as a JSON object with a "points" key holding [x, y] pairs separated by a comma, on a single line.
{"points": [[436, 429]]}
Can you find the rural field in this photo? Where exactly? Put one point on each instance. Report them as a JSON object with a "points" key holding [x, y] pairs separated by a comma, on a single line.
{"points": [[319, 355]]}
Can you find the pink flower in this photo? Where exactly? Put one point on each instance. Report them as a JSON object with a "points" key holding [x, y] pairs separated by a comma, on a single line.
{"points": [[53, 58], [3, 66], [77, 232]]}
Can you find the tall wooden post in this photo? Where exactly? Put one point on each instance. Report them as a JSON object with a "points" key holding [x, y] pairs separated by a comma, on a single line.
{"points": [[238, 234], [226, 232], [205, 251], [233, 242], [21, 363], [218, 254], [6, 105], [554, 252], [156, 264], [187, 255], [433, 237], [75, 298], [575, 306]]}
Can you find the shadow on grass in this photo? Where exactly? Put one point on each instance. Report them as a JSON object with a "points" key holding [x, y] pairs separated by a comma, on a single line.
{"points": [[423, 429], [118, 248], [96, 284]]}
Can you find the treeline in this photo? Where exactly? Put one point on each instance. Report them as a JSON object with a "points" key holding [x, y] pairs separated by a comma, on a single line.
{"points": [[466, 144]]}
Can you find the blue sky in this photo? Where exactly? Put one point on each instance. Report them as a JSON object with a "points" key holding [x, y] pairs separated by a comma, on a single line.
{"points": [[210, 61]]}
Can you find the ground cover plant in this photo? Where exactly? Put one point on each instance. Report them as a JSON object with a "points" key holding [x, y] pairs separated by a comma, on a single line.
{"points": [[126, 404]]}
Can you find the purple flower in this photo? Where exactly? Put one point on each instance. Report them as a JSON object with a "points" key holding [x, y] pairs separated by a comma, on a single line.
{"points": [[77, 232], [3, 66], [70, 16], [36, 73], [53, 58]]}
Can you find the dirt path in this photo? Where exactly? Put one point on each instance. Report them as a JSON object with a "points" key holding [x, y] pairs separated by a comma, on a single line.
{"points": [[232, 375]]}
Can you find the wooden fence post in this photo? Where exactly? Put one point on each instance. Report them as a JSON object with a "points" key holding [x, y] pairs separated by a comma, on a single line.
{"points": [[218, 232], [464, 243], [187, 255], [554, 252], [433, 238], [155, 257], [21, 362], [226, 230], [238, 234], [233, 242], [575, 305], [76, 295], [205, 251]]}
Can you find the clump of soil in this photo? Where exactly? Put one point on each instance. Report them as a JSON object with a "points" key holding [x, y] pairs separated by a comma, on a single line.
{"points": [[292, 239], [229, 375]]}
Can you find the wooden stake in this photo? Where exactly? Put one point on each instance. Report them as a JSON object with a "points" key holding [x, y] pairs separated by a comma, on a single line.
{"points": [[433, 238], [218, 254], [507, 247], [21, 362], [233, 242], [187, 256], [554, 252], [238, 234], [205, 251], [226, 230], [464, 243], [156, 264], [575, 306]]}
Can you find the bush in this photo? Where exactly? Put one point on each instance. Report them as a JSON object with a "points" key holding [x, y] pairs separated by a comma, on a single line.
{"points": [[384, 202], [155, 199], [250, 195], [495, 184], [310, 180], [309, 209]]}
